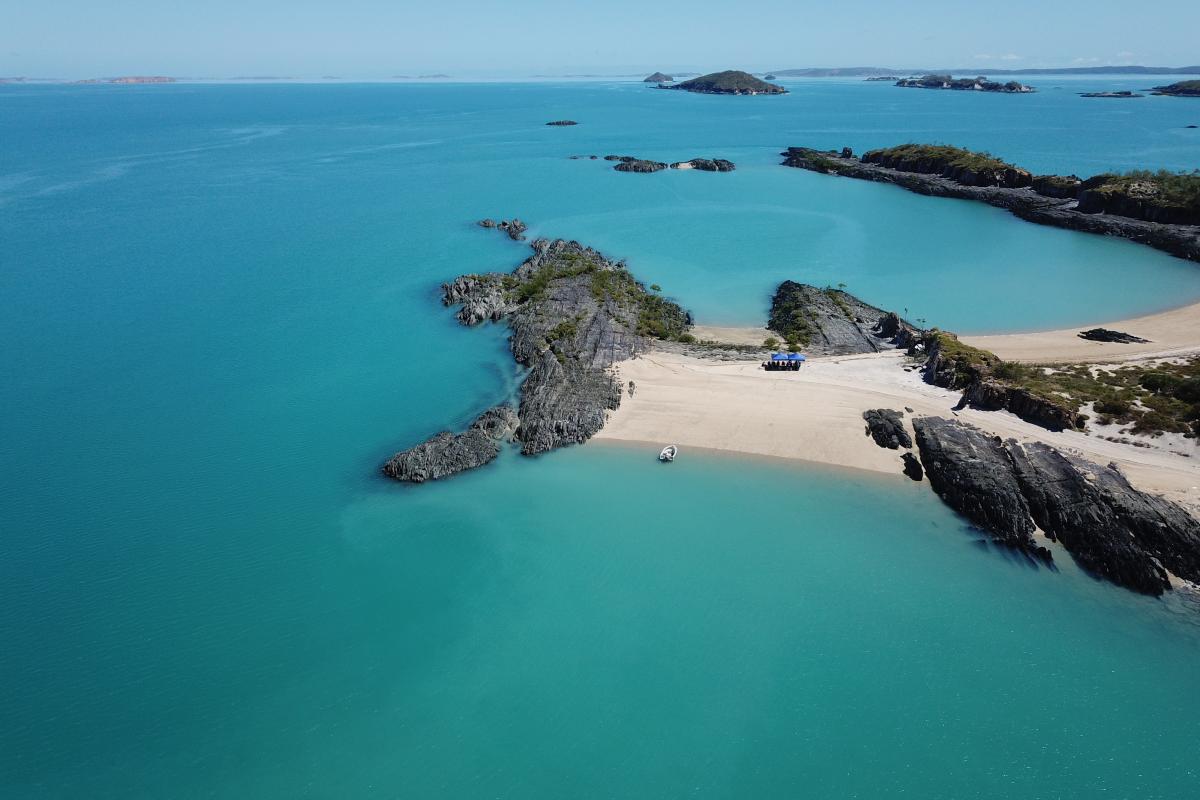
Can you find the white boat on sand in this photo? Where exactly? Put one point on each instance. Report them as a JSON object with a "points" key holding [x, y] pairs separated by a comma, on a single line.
{"points": [[668, 453]]}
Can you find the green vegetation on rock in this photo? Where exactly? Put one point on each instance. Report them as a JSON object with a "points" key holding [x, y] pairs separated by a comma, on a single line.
{"points": [[731, 81]]}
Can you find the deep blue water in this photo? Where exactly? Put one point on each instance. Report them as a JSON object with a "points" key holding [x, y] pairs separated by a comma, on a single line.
{"points": [[220, 314]]}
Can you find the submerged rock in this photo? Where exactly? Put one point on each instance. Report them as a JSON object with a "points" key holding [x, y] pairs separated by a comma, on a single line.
{"points": [[1110, 528], [1106, 335], [448, 453], [886, 427]]}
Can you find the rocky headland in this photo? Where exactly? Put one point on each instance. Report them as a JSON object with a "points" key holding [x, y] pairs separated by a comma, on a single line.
{"points": [[572, 314], [1158, 209], [730, 81], [1180, 89], [977, 84], [829, 321]]}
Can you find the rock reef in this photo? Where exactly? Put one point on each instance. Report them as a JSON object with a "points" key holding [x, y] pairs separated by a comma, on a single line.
{"points": [[513, 227], [1141, 207], [572, 314], [1111, 529], [635, 164]]}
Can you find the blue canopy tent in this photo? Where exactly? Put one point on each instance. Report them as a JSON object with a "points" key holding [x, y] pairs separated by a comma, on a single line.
{"points": [[787, 357]]}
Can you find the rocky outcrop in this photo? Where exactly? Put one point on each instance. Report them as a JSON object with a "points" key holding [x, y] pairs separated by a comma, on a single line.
{"points": [[1106, 335], [639, 165], [912, 466], [1025, 202], [706, 165], [886, 427], [1122, 95], [972, 473], [572, 314], [941, 161], [993, 395], [513, 227], [1111, 529], [562, 123], [448, 453], [833, 322], [978, 84], [657, 77]]}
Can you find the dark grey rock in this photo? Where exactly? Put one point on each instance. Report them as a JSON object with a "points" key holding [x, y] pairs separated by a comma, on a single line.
{"points": [[706, 165], [1111, 529], [639, 165], [886, 427], [513, 227], [562, 123], [448, 453], [912, 467], [1106, 335]]}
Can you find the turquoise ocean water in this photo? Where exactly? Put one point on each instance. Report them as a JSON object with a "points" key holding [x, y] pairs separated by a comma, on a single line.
{"points": [[220, 314]]}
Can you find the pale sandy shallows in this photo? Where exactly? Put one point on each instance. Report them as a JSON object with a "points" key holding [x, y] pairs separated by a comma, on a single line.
{"points": [[1174, 332], [816, 415]]}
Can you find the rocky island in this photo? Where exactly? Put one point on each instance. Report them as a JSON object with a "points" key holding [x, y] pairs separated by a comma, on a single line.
{"points": [[562, 123], [978, 84], [1112, 95], [1161, 209], [657, 77], [730, 81], [635, 164], [1180, 89]]}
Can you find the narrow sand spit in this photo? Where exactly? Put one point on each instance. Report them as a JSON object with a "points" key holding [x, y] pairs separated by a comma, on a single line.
{"points": [[816, 415]]}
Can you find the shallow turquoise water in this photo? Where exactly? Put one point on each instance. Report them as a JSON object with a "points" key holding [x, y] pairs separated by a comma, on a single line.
{"points": [[220, 314]]}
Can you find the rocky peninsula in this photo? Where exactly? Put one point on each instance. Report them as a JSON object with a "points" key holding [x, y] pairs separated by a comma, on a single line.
{"points": [[978, 84], [1180, 89], [730, 81], [1158, 209], [572, 314]]}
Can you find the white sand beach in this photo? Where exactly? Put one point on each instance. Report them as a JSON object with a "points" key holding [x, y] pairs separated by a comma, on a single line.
{"points": [[1171, 333], [815, 414]]}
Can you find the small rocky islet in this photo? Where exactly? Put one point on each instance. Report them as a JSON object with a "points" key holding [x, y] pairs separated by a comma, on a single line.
{"points": [[1180, 89], [1160, 209]]}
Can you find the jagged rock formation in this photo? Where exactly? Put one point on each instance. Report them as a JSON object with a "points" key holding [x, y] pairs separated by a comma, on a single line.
{"points": [[979, 84], [1106, 335], [562, 123], [573, 314], [1098, 205], [730, 81], [657, 77], [912, 467], [447, 453], [1111, 529], [513, 227], [886, 427], [833, 322]]}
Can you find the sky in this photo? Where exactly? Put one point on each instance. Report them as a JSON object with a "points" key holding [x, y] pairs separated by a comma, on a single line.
{"points": [[377, 39]]}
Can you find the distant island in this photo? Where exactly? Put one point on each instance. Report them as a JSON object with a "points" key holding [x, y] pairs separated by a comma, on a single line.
{"points": [[731, 81], [562, 123], [1118, 95], [769, 77], [657, 77], [859, 72], [978, 84], [891, 78], [1181, 89]]}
